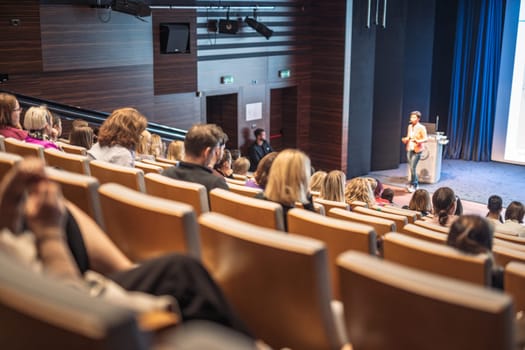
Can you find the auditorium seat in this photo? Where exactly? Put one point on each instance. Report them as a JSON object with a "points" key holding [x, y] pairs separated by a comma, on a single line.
{"points": [[278, 283], [411, 215], [106, 172], [7, 161], [400, 220], [154, 162], [389, 306], [432, 226], [73, 149], [510, 238], [424, 234], [148, 168], [252, 210], [190, 193], [514, 283], [82, 190], [235, 181], [244, 190], [23, 149], [358, 204], [75, 163], [331, 204], [380, 225], [166, 160], [240, 177], [319, 208], [437, 258], [145, 226], [37, 312], [504, 255], [2, 144], [338, 235]]}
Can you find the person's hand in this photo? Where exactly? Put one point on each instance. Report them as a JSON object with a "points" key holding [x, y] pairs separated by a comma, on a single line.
{"points": [[45, 210], [13, 187], [404, 139]]}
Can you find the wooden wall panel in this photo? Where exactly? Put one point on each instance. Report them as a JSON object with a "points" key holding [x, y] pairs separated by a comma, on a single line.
{"points": [[20, 44]]}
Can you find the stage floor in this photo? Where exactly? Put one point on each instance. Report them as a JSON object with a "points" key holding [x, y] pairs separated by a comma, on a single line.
{"points": [[472, 181]]}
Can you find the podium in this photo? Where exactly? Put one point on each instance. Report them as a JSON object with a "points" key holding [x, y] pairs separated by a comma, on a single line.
{"points": [[429, 165]]}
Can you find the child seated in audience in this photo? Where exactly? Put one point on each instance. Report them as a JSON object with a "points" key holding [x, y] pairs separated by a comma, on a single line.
{"points": [[241, 166], [388, 194], [420, 201], [333, 188], [10, 111], [358, 189], [513, 219], [473, 234], [495, 207], [81, 136], [316, 181], [157, 147], [56, 127], [377, 188], [175, 150], [37, 121], [143, 149], [260, 177]]}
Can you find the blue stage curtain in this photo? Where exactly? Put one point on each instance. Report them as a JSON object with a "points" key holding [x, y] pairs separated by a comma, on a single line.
{"points": [[474, 79]]}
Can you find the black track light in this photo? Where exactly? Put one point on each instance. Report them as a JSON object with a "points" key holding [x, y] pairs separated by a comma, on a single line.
{"points": [[259, 27]]}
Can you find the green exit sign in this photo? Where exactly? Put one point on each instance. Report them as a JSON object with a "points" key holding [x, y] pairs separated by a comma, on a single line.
{"points": [[285, 73], [227, 79]]}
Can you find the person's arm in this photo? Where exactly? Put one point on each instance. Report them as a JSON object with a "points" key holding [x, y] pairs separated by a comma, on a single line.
{"points": [[104, 256], [422, 134]]}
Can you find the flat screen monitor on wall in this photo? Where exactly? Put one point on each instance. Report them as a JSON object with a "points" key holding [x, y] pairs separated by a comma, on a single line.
{"points": [[174, 38]]}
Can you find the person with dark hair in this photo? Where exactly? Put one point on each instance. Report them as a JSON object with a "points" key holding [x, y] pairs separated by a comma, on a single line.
{"points": [[388, 194], [260, 177], [202, 146], [224, 166], [444, 206], [82, 136], [420, 202], [495, 206], [473, 234], [514, 219], [416, 136], [258, 149]]}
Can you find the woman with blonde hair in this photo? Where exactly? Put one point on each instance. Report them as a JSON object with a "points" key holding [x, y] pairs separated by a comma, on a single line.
{"points": [[176, 150], [316, 181], [10, 111], [333, 188], [37, 121], [157, 147], [81, 136], [118, 137], [358, 189]]}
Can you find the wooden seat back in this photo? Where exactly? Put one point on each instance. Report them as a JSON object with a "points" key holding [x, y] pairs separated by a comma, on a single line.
{"points": [[106, 172], [432, 226], [514, 282], [148, 168], [7, 161], [74, 163], [400, 220], [72, 149], [424, 234], [411, 215], [331, 204], [23, 149], [244, 190], [380, 225]]}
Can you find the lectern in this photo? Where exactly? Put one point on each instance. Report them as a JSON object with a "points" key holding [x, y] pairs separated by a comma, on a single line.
{"points": [[429, 166]]}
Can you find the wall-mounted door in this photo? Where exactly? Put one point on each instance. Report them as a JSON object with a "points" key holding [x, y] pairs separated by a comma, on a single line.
{"points": [[283, 118], [223, 111]]}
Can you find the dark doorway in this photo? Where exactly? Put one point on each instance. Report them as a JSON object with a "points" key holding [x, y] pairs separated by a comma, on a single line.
{"points": [[283, 118], [222, 110]]}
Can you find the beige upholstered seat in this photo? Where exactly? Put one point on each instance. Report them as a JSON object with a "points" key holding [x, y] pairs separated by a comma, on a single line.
{"points": [[331, 204], [514, 282], [190, 193], [240, 177], [23, 149], [437, 258], [37, 312], [166, 160], [7, 161], [506, 237], [107, 172], [389, 306], [235, 181], [278, 283], [432, 226], [411, 215], [163, 165], [244, 190], [424, 234], [252, 210], [358, 204], [75, 163], [504, 255], [82, 190], [145, 226], [338, 235], [148, 168], [400, 220], [73, 149], [380, 225]]}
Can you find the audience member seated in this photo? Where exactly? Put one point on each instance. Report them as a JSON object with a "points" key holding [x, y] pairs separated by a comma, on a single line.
{"points": [[513, 219], [420, 202], [377, 188], [81, 136], [260, 177], [236, 154], [37, 121], [333, 188], [10, 111], [288, 181], [62, 241], [241, 166], [443, 206], [388, 194], [224, 165], [118, 137], [143, 150], [473, 234], [175, 150], [495, 206], [158, 147], [56, 127], [316, 181], [358, 189], [201, 145]]}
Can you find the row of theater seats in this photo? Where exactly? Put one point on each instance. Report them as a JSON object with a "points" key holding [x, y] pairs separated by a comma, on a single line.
{"points": [[253, 261]]}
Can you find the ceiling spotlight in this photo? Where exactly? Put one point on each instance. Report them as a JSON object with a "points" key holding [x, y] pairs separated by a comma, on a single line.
{"points": [[137, 8], [259, 27]]}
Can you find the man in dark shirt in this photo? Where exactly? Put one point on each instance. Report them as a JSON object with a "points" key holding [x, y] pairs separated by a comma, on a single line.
{"points": [[202, 146], [259, 149]]}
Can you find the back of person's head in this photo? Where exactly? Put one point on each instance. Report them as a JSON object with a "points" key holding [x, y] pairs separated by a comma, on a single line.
{"points": [[241, 166], [36, 118], [388, 194], [379, 188], [471, 234], [235, 154], [420, 201], [358, 189], [459, 207], [495, 204], [316, 181], [144, 145], [175, 150], [289, 176], [263, 169], [333, 188], [258, 132], [8, 104], [81, 136], [515, 211], [123, 127], [157, 147], [225, 161], [77, 123], [444, 204], [200, 137]]}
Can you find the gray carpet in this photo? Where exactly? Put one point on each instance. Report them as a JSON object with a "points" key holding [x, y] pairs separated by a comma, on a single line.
{"points": [[473, 181]]}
